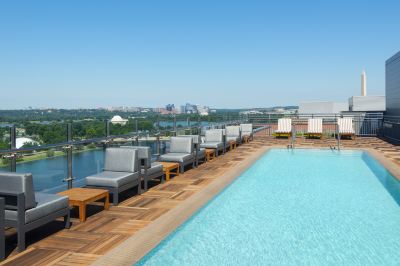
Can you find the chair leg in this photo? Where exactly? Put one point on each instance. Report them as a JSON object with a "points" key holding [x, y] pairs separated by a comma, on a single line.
{"points": [[145, 184], [21, 240], [67, 222], [181, 168], [162, 178], [139, 188], [115, 198]]}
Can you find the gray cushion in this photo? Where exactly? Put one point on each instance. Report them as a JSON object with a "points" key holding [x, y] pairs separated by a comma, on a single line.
{"points": [[196, 138], [144, 152], [121, 160], [111, 179], [15, 182], [233, 131], [181, 145], [46, 204], [247, 129], [154, 169], [212, 145], [214, 135], [237, 139], [176, 157]]}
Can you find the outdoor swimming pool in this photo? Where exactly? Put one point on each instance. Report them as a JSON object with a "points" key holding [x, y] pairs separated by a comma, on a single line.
{"points": [[307, 207]]}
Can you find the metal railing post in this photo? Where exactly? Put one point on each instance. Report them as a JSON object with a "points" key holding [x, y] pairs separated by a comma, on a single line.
{"points": [[293, 139], [158, 147], [337, 134], [13, 157], [107, 128], [69, 156], [175, 128]]}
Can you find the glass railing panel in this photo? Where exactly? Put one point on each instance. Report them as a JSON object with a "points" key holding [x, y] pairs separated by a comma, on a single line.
{"points": [[86, 160], [48, 168], [4, 145]]}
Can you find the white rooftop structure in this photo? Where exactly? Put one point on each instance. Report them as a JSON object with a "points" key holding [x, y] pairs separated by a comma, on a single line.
{"points": [[323, 107], [367, 103], [118, 120], [19, 142]]}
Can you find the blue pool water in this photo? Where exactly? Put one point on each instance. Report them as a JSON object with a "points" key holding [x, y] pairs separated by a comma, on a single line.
{"points": [[301, 207]]}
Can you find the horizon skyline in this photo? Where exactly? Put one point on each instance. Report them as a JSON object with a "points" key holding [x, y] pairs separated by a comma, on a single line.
{"points": [[230, 55]]}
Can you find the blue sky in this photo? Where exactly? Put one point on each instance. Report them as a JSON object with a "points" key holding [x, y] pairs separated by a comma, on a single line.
{"points": [[230, 54]]}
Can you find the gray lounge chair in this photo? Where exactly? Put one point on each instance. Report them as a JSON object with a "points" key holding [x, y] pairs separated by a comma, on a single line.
{"points": [[2, 243], [148, 169], [26, 210], [247, 130], [180, 151], [199, 153], [233, 133], [214, 139], [121, 172]]}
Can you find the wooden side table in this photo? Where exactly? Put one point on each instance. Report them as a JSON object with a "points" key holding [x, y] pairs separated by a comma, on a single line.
{"points": [[80, 197], [168, 169], [210, 154], [232, 144]]}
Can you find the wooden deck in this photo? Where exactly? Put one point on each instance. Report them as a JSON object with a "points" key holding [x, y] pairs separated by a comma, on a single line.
{"points": [[85, 242]]}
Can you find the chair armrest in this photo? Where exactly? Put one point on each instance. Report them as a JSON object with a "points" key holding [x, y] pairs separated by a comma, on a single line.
{"points": [[144, 166], [20, 196]]}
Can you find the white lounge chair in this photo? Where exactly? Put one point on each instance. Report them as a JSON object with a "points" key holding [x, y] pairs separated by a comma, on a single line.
{"points": [[314, 128], [346, 127], [246, 131], [284, 128]]}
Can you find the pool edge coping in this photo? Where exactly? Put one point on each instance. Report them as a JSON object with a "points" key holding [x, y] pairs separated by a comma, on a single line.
{"points": [[141, 243]]}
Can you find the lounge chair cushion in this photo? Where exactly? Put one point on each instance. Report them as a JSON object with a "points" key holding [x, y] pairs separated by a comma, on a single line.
{"points": [[154, 169], [214, 135], [121, 160], [284, 125], [144, 152], [46, 204], [233, 131], [196, 138], [212, 145], [17, 182], [345, 125], [248, 128], [176, 157], [314, 125], [111, 179], [237, 139], [181, 145]]}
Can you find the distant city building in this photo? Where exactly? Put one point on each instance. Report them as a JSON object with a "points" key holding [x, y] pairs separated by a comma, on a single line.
{"points": [[251, 112], [367, 104], [194, 109], [203, 110], [393, 85], [323, 107], [118, 120], [170, 107]]}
